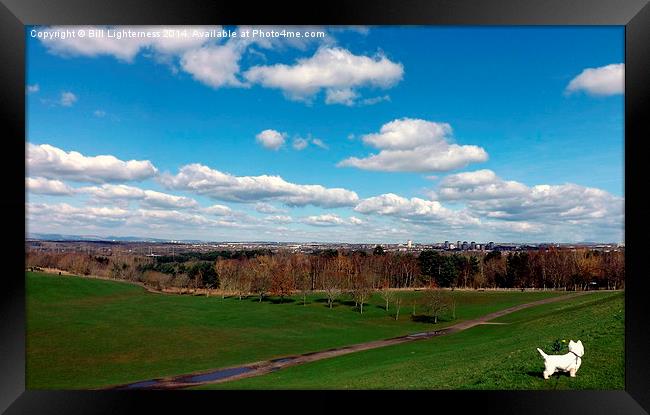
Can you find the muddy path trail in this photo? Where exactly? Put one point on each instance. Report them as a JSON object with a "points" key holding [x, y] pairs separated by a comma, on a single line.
{"points": [[267, 366]]}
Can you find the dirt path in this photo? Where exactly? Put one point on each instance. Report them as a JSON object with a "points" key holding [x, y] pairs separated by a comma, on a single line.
{"points": [[264, 367]]}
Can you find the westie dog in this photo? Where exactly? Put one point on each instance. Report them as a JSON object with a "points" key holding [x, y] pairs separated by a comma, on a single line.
{"points": [[569, 362]]}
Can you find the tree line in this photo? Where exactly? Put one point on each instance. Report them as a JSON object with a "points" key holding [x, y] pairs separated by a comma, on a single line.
{"points": [[359, 273]]}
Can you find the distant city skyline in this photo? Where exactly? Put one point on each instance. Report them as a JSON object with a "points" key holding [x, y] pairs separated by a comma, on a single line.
{"points": [[363, 135]]}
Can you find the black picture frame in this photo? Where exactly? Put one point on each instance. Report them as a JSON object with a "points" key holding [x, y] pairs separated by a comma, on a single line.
{"points": [[16, 14]]}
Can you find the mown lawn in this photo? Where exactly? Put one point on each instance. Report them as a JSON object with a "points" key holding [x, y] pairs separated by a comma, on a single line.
{"points": [[483, 357], [87, 333]]}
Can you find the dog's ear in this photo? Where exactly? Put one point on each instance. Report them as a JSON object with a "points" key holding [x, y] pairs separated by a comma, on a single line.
{"points": [[580, 342], [570, 342]]}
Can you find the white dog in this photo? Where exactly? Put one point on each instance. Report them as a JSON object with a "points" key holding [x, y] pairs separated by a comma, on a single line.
{"points": [[569, 362]]}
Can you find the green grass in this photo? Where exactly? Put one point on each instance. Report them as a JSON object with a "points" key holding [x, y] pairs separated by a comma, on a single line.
{"points": [[483, 357], [87, 333]]}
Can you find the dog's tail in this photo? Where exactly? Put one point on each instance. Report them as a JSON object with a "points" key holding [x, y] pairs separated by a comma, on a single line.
{"points": [[541, 352]]}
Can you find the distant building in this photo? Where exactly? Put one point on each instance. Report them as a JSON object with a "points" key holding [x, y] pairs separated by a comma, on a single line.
{"points": [[465, 246], [489, 246], [409, 244], [472, 245], [446, 244]]}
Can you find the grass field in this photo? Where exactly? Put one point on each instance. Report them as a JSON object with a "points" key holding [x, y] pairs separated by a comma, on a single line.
{"points": [[483, 357], [88, 333]]}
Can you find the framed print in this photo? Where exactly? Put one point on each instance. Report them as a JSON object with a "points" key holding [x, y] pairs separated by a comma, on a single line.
{"points": [[434, 200]]}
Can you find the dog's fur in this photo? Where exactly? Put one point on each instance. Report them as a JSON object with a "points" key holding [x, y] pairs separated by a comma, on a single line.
{"points": [[569, 362]]}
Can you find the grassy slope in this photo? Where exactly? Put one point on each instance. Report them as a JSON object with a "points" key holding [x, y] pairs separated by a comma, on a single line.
{"points": [[484, 357], [85, 333]]}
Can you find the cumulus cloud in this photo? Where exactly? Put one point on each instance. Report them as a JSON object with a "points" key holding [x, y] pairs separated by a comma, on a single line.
{"points": [[218, 210], [148, 197], [415, 145], [271, 139], [605, 80], [279, 218], [324, 220], [490, 196], [41, 185], [356, 221], [223, 186], [300, 143], [54, 163], [32, 89], [68, 215], [414, 209], [345, 96], [67, 99], [214, 65], [333, 69], [480, 184], [268, 208]]}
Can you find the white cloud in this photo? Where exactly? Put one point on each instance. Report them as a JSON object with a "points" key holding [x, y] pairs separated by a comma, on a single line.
{"points": [[268, 208], [490, 196], [345, 96], [300, 143], [215, 66], [334, 69], [223, 186], [218, 210], [279, 218], [52, 162], [605, 80], [41, 185], [415, 145], [480, 184], [32, 89], [148, 197], [99, 113], [67, 215], [319, 143], [271, 139], [375, 100], [324, 220], [356, 221], [67, 99], [414, 209]]}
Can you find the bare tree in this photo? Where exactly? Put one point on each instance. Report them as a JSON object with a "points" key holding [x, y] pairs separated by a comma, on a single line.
{"points": [[332, 280], [362, 288], [435, 303], [398, 304], [386, 293]]}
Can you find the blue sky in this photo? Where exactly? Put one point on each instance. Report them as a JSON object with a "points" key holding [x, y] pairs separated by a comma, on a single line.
{"points": [[504, 134]]}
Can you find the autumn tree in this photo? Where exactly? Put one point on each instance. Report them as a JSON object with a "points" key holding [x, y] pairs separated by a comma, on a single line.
{"points": [[262, 268], [301, 275], [282, 281], [227, 272]]}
